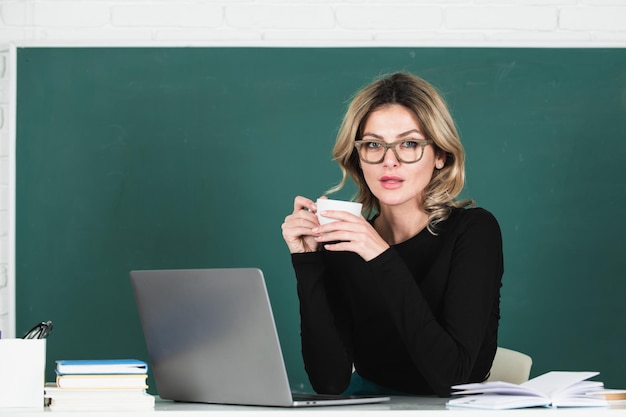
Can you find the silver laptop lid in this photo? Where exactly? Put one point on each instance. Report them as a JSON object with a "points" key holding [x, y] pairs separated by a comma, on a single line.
{"points": [[211, 336]]}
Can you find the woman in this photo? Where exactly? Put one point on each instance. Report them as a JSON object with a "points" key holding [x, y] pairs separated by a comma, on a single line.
{"points": [[409, 298]]}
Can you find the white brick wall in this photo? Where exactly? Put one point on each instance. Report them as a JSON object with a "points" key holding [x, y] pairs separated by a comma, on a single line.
{"points": [[6, 292], [284, 22]]}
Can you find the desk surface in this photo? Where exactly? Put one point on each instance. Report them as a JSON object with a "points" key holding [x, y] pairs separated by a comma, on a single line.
{"points": [[398, 406]]}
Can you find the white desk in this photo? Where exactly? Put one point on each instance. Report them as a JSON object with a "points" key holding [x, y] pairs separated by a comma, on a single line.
{"points": [[397, 407]]}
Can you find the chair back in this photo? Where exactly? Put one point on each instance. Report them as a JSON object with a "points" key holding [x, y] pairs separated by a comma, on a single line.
{"points": [[510, 366]]}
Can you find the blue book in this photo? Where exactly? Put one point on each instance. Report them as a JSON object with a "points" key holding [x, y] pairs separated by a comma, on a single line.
{"points": [[101, 366]]}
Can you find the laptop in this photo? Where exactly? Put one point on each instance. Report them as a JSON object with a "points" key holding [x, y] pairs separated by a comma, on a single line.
{"points": [[211, 338]]}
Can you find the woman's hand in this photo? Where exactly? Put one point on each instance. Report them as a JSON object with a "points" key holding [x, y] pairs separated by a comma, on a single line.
{"points": [[350, 233], [297, 227]]}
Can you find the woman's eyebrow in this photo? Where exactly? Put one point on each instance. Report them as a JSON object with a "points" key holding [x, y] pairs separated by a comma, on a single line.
{"points": [[408, 132], [374, 135]]}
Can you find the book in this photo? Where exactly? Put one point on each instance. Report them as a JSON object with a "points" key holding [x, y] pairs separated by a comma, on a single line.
{"points": [[612, 395], [52, 391], [553, 389], [101, 366], [106, 405], [102, 381], [59, 399]]}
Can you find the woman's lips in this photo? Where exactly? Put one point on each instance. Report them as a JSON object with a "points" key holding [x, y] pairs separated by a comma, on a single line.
{"points": [[391, 182]]}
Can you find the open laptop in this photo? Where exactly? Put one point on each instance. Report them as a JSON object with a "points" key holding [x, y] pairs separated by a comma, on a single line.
{"points": [[211, 338]]}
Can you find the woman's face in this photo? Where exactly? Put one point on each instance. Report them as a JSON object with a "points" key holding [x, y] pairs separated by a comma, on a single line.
{"points": [[395, 183]]}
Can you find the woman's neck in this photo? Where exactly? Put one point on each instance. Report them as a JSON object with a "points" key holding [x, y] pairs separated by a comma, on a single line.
{"points": [[397, 225]]}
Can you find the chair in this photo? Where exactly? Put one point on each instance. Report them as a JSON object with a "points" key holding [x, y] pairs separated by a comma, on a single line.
{"points": [[510, 366]]}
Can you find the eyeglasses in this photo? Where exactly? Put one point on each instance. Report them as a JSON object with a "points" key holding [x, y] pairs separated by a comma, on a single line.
{"points": [[408, 151], [39, 330]]}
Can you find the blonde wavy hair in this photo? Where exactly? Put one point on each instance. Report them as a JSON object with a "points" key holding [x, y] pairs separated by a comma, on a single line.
{"points": [[430, 108]]}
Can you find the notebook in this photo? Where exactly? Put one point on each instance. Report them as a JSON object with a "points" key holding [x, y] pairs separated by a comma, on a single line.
{"points": [[211, 338]]}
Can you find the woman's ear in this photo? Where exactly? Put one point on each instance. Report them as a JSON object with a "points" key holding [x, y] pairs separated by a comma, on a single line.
{"points": [[440, 159]]}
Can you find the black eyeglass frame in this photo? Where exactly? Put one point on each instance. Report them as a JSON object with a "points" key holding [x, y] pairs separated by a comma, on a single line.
{"points": [[423, 143], [39, 330]]}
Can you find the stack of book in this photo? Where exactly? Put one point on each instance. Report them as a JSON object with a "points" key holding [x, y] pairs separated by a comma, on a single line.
{"points": [[109, 384]]}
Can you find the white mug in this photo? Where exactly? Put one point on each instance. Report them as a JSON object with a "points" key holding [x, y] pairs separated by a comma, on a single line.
{"points": [[324, 204]]}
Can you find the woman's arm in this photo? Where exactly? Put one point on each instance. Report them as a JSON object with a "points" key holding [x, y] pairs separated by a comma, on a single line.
{"points": [[326, 353], [444, 346]]}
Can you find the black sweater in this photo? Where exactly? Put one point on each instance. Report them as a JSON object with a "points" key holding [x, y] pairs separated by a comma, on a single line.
{"points": [[419, 318]]}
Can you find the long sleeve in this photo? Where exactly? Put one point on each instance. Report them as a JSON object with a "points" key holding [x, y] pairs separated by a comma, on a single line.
{"points": [[326, 353], [419, 318], [444, 329]]}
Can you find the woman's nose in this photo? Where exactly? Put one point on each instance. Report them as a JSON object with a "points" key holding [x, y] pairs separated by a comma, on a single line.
{"points": [[390, 158]]}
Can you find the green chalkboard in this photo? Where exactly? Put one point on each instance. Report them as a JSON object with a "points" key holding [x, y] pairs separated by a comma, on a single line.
{"points": [[138, 158]]}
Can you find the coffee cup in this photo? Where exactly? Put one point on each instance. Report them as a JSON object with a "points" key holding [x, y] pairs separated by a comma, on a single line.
{"points": [[326, 204]]}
